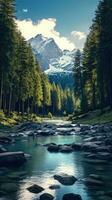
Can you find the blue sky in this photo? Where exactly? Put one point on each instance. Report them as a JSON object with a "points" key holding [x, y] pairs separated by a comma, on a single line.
{"points": [[69, 15]]}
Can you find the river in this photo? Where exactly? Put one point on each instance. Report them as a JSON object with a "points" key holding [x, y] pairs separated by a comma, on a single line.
{"points": [[43, 165]]}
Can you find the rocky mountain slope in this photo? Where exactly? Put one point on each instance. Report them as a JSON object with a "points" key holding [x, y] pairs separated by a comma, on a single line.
{"points": [[57, 64]]}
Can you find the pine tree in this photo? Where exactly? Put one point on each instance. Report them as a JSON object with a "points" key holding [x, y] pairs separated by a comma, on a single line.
{"points": [[46, 93], [79, 81], [58, 99], [89, 67], [7, 27], [97, 59]]}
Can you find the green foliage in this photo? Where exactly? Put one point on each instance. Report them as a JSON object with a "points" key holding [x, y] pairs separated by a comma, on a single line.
{"points": [[94, 117], [79, 91], [95, 84], [50, 115], [62, 100], [24, 88], [2, 115]]}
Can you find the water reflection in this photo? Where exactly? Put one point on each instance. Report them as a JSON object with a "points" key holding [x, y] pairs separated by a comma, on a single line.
{"points": [[44, 165]]}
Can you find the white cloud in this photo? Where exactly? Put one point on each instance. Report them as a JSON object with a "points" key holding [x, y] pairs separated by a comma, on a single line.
{"points": [[79, 38], [47, 27], [25, 10], [78, 34]]}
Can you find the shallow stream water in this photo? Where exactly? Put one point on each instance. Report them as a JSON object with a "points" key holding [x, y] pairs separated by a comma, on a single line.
{"points": [[43, 165]]}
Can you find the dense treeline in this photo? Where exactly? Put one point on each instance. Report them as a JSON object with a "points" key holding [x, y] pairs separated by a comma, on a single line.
{"points": [[94, 73], [23, 86]]}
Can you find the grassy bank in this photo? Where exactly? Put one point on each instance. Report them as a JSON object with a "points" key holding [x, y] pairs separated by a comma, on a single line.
{"points": [[94, 117], [7, 122]]}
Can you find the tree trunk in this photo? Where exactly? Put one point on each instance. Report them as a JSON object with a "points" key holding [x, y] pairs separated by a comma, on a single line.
{"points": [[10, 100], [4, 103], [1, 91], [93, 96], [22, 107], [28, 106], [19, 106]]}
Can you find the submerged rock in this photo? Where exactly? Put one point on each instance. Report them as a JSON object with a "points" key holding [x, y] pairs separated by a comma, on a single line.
{"points": [[72, 196], [46, 196], [35, 189], [65, 179], [54, 187]]}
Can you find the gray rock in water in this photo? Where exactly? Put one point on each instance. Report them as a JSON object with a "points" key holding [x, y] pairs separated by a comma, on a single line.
{"points": [[48, 144], [54, 187], [76, 146], [65, 149], [5, 140], [90, 146], [35, 189], [12, 159], [65, 179], [72, 196], [46, 196], [53, 148]]}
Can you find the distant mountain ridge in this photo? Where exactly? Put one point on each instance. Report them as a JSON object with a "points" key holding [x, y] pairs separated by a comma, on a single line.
{"points": [[57, 64], [51, 58]]}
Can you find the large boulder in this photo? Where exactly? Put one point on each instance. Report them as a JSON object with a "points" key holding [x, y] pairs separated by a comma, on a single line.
{"points": [[76, 146], [72, 196], [35, 189], [65, 149], [27, 126], [90, 146], [53, 148], [46, 196], [10, 159], [5, 140], [65, 179]]}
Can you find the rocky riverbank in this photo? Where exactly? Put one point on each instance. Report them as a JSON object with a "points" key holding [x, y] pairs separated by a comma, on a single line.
{"points": [[95, 146]]}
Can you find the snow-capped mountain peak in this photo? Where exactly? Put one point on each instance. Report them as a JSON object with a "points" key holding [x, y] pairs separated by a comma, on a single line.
{"points": [[51, 58]]}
